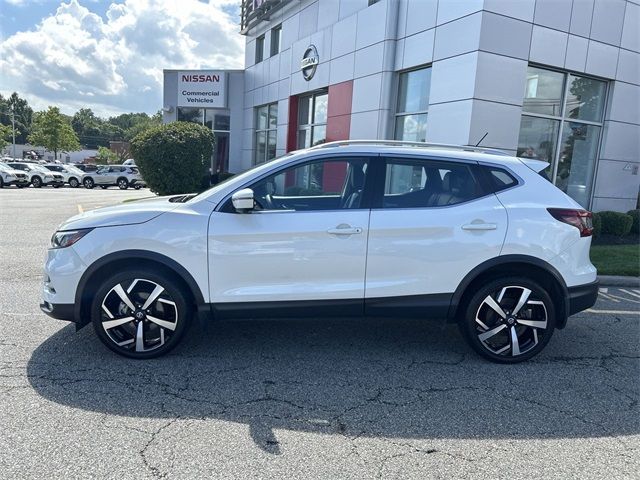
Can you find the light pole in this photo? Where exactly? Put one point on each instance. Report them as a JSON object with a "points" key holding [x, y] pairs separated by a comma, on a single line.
{"points": [[13, 124]]}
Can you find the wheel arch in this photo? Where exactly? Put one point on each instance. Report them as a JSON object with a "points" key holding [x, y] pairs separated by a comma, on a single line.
{"points": [[87, 286], [509, 265]]}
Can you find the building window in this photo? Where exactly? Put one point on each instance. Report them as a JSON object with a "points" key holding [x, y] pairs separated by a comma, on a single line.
{"points": [[561, 124], [259, 49], [413, 104], [312, 119], [218, 120], [266, 132], [276, 37]]}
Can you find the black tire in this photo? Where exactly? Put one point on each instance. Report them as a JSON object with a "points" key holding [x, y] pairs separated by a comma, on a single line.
{"points": [[57, 186], [492, 336], [36, 182], [88, 183], [1, 183], [74, 183], [123, 183], [20, 186], [137, 187], [141, 282]]}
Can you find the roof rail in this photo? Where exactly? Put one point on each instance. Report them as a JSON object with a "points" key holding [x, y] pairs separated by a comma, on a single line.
{"points": [[402, 143]]}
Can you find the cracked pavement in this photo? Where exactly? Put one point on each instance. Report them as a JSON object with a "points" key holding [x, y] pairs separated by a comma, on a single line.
{"points": [[313, 399]]}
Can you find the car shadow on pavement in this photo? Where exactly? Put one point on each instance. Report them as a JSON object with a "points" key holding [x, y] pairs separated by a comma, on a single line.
{"points": [[375, 378]]}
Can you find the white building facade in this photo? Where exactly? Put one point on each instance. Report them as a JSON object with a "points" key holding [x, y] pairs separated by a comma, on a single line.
{"points": [[557, 80]]}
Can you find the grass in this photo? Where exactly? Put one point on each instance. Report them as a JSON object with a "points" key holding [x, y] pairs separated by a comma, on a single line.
{"points": [[616, 259]]}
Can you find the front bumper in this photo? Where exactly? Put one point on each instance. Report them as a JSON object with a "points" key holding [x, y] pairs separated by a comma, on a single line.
{"points": [[59, 311], [54, 182], [19, 181], [582, 297]]}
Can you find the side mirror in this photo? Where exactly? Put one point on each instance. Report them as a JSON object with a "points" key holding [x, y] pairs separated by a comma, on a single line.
{"points": [[243, 200]]}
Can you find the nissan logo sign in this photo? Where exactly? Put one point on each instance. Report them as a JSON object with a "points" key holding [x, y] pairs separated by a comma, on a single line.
{"points": [[309, 62]]}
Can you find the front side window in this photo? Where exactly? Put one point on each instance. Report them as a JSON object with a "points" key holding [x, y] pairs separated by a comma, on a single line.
{"points": [[415, 183], [561, 124], [266, 132], [259, 49], [312, 119], [413, 104], [322, 185]]}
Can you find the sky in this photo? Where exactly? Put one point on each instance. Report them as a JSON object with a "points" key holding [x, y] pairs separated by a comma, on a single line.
{"points": [[109, 55]]}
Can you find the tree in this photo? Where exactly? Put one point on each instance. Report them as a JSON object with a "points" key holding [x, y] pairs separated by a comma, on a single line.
{"points": [[173, 158], [53, 131], [6, 132], [106, 156], [23, 115]]}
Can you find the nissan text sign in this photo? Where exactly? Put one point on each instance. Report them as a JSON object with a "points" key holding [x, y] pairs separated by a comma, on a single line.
{"points": [[202, 89]]}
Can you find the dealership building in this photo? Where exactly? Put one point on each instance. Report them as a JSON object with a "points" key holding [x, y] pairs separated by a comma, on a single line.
{"points": [[557, 80]]}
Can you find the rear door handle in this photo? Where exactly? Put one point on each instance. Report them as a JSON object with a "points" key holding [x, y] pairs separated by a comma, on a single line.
{"points": [[480, 226], [344, 230]]}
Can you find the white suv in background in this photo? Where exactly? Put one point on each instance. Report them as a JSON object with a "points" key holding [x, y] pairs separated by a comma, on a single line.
{"points": [[72, 175], [106, 176], [11, 176], [38, 174], [343, 229]]}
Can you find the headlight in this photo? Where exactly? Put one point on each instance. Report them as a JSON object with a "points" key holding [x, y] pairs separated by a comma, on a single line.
{"points": [[68, 238]]}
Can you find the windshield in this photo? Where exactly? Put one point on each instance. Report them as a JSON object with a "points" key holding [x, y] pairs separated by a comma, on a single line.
{"points": [[38, 168], [72, 169], [5, 168]]}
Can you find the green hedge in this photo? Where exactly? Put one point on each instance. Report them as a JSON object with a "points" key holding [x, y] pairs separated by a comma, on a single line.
{"points": [[615, 223], [173, 158], [635, 226], [597, 224]]}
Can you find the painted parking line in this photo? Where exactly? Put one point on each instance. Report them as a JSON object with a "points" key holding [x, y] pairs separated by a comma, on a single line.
{"points": [[630, 293], [80, 210], [613, 312], [604, 295]]}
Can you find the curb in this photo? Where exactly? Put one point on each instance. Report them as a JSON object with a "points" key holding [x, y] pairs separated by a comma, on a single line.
{"points": [[618, 281]]}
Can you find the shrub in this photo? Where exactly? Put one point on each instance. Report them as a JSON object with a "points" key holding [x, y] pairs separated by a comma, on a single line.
{"points": [[635, 226], [597, 224], [173, 158], [615, 223]]}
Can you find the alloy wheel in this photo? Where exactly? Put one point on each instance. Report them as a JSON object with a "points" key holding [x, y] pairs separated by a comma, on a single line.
{"points": [[139, 315], [511, 321], [123, 184], [36, 182]]}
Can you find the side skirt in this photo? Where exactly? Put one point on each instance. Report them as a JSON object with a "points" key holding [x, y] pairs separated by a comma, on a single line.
{"points": [[416, 306]]}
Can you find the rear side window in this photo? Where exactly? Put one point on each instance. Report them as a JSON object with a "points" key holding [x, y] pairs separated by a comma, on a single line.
{"points": [[501, 179], [416, 183]]}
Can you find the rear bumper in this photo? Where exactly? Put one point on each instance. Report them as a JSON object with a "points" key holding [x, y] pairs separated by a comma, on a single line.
{"points": [[582, 297]]}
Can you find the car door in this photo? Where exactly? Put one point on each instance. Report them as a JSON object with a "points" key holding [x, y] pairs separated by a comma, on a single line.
{"points": [[431, 224], [304, 244], [105, 176]]}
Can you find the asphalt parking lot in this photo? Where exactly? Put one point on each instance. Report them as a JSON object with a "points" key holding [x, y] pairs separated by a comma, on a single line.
{"points": [[314, 399]]}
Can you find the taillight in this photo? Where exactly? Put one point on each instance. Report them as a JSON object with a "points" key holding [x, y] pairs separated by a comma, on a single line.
{"points": [[581, 219]]}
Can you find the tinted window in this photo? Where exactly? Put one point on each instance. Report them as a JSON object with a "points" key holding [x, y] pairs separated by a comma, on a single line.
{"points": [[501, 179], [423, 184], [323, 185]]}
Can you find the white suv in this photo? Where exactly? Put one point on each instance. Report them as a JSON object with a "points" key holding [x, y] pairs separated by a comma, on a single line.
{"points": [[343, 229], [72, 175], [111, 175]]}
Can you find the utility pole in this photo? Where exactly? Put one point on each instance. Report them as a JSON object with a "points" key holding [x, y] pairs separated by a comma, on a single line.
{"points": [[13, 123]]}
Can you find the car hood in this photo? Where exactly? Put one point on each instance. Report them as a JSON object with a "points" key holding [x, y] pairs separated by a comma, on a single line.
{"points": [[130, 213]]}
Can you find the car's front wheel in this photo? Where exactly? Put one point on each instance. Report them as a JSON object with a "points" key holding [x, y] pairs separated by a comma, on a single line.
{"points": [[140, 313], [123, 183], [88, 183], [36, 182], [509, 320], [73, 183]]}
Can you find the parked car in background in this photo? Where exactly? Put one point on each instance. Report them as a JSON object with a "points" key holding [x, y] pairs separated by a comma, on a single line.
{"points": [[130, 162], [72, 175], [114, 175], [11, 176], [353, 228], [39, 175]]}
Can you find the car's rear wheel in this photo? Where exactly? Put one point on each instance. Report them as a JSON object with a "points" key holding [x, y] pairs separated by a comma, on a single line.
{"points": [[36, 182], [104, 187], [140, 313], [123, 183], [1, 183], [137, 187], [509, 320], [73, 183], [88, 183]]}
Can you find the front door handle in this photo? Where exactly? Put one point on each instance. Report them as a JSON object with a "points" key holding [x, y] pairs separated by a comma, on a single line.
{"points": [[344, 229], [480, 226]]}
